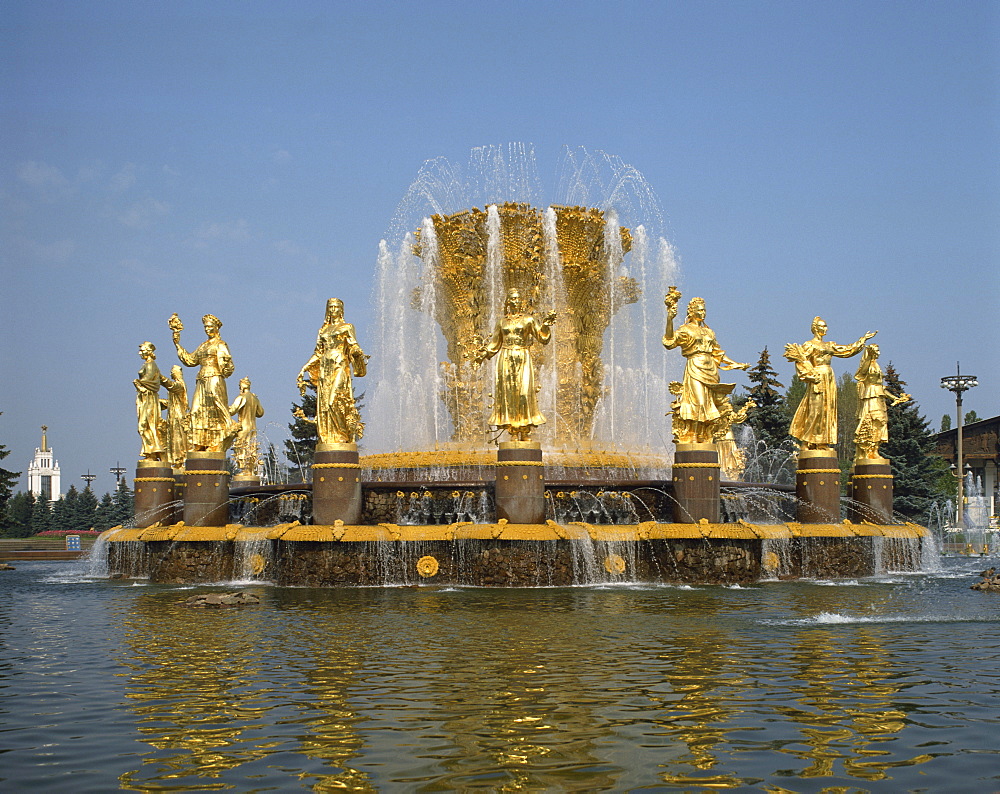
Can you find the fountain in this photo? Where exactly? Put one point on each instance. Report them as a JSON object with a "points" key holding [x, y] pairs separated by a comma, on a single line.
{"points": [[585, 489]]}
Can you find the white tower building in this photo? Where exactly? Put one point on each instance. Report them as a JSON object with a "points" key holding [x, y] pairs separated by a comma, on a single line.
{"points": [[43, 472]]}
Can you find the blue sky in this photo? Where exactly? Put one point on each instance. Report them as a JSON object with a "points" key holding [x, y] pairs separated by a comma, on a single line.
{"points": [[246, 158]]}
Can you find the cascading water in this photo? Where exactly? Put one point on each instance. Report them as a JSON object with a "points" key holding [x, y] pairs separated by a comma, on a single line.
{"points": [[440, 291]]}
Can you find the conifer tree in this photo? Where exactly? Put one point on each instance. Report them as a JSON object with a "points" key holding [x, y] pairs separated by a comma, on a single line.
{"points": [[17, 515], [104, 515], [946, 423], [124, 503], [920, 476], [86, 509], [769, 419], [300, 449], [64, 511], [41, 516], [796, 391], [8, 479]]}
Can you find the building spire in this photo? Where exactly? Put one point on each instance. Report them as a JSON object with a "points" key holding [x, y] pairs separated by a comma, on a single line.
{"points": [[45, 442]]}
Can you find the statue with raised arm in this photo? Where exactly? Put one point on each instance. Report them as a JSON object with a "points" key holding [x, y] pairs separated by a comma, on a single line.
{"points": [[873, 418], [247, 408], [211, 428], [147, 403], [515, 398], [815, 420], [336, 356], [703, 402], [178, 418]]}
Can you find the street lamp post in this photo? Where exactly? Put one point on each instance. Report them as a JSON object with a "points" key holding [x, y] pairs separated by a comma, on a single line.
{"points": [[118, 470], [959, 384], [88, 477]]}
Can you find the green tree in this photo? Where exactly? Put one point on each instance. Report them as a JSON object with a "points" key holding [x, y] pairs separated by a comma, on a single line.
{"points": [[847, 422], [104, 515], [41, 516], [769, 419], [124, 503], [920, 476], [946, 423], [17, 516], [796, 391], [971, 417], [8, 479], [300, 449], [64, 511], [86, 509]]}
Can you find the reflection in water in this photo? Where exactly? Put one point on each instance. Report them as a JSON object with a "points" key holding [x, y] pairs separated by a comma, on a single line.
{"points": [[611, 688]]}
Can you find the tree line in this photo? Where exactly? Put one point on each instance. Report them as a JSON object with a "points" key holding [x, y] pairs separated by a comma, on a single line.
{"points": [[24, 515]]}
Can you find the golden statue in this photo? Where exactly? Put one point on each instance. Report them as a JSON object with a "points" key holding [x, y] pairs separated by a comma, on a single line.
{"points": [[211, 429], [248, 410], [329, 369], [147, 403], [702, 401], [178, 418], [581, 285], [515, 398], [732, 459], [815, 420], [873, 419]]}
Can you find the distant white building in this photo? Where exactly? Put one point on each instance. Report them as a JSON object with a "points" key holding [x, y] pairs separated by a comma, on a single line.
{"points": [[43, 472]]}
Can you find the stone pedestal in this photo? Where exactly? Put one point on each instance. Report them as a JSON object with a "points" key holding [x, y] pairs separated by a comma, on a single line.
{"points": [[336, 484], [817, 487], [245, 480], [871, 490], [206, 490], [520, 483], [696, 478], [154, 491], [177, 513]]}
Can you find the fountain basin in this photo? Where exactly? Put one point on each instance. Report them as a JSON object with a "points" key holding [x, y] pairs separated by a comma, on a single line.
{"points": [[512, 555]]}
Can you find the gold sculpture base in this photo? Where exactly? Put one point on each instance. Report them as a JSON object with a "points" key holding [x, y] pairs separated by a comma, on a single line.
{"points": [[333, 446]]}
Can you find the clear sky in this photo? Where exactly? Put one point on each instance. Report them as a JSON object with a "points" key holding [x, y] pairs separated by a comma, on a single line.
{"points": [[245, 158]]}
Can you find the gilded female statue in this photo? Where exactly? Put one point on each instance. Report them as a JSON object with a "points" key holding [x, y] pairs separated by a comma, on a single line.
{"points": [[336, 355], [873, 418], [515, 401], [210, 424], [702, 400], [178, 418], [815, 420], [147, 403], [247, 408]]}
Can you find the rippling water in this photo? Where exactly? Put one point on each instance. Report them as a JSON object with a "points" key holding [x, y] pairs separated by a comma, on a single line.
{"points": [[886, 684]]}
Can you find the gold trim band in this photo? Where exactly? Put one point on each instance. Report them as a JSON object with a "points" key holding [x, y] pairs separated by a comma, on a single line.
{"points": [[336, 465], [696, 466], [520, 463], [205, 472], [153, 479], [817, 471], [871, 477]]}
